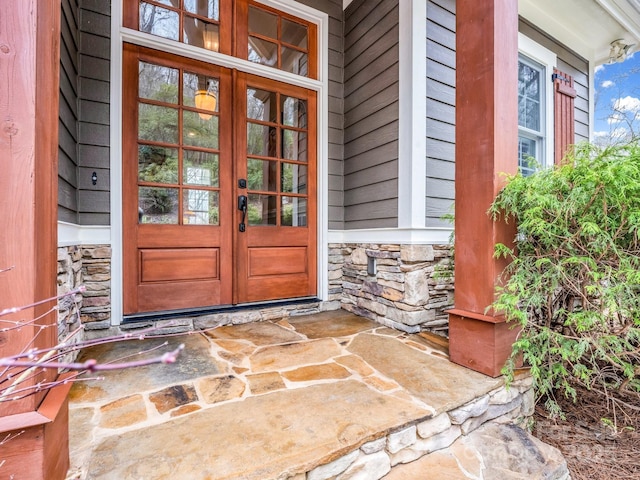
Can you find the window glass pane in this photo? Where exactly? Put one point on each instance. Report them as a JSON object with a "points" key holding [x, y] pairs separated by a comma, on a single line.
{"points": [[294, 112], [200, 91], [159, 21], [294, 61], [262, 209], [204, 8], [201, 34], [293, 212], [157, 124], [261, 105], [200, 168], [261, 140], [293, 178], [201, 207], [527, 155], [199, 131], [157, 205], [263, 52], [529, 96], [294, 34], [294, 145], [157, 82], [157, 164], [263, 23], [262, 175]]}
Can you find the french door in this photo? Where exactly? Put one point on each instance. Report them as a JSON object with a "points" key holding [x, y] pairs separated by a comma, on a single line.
{"points": [[219, 190]]}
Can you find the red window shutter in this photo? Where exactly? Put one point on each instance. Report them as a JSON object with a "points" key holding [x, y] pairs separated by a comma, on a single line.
{"points": [[564, 132]]}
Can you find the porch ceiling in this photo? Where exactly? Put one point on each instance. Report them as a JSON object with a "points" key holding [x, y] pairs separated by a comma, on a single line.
{"points": [[586, 26]]}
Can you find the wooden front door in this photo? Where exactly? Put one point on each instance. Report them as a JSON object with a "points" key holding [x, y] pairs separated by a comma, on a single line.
{"points": [[219, 197]]}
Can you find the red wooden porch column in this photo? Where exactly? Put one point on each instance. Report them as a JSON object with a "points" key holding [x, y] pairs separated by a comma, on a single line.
{"points": [[29, 89], [486, 146]]}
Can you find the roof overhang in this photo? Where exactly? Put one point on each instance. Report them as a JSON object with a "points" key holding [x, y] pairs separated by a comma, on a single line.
{"points": [[586, 26]]}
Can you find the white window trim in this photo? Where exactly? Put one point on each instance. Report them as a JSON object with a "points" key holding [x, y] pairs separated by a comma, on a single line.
{"points": [[120, 34], [545, 57]]}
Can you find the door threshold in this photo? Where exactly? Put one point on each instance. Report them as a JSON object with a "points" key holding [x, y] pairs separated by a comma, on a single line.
{"points": [[193, 312]]}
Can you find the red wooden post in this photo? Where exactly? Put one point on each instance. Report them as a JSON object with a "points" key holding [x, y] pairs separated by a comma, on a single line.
{"points": [[29, 89], [486, 146]]}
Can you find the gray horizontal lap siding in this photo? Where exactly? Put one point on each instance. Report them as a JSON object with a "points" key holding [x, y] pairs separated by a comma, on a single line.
{"points": [[440, 93], [68, 115], [371, 114]]}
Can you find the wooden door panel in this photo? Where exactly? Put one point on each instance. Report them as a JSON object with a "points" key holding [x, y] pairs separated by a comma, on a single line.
{"points": [[277, 261], [173, 264], [193, 294]]}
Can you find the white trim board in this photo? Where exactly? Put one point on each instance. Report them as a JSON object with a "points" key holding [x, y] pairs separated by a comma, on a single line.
{"points": [[401, 236], [70, 234]]}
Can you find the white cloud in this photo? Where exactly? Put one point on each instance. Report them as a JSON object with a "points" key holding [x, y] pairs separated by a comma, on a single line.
{"points": [[598, 69], [627, 104], [615, 117], [607, 84]]}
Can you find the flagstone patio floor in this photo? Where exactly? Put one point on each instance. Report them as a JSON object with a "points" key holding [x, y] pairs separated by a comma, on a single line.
{"points": [[297, 398]]}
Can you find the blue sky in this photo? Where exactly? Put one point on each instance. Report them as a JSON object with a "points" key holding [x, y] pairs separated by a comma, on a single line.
{"points": [[617, 99]]}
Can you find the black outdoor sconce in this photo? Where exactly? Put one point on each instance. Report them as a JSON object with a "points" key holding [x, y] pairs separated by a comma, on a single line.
{"points": [[94, 178]]}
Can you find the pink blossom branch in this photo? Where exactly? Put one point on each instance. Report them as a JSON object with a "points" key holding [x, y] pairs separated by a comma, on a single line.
{"points": [[7, 311]]}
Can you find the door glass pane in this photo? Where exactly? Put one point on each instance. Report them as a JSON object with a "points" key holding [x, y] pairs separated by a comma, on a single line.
{"points": [[204, 8], [200, 91], [157, 82], [261, 175], [293, 212], [262, 209], [261, 140], [294, 145], [200, 168], [157, 124], [157, 205], [294, 61], [263, 23], [294, 112], [157, 164], [159, 21], [201, 34], [261, 105], [293, 178], [199, 132], [294, 33], [201, 207], [263, 52]]}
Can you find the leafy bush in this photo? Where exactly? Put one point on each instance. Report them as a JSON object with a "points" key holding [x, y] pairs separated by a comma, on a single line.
{"points": [[573, 285]]}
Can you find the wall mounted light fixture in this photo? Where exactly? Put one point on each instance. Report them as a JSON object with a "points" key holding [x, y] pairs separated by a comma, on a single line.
{"points": [[207, 100]]}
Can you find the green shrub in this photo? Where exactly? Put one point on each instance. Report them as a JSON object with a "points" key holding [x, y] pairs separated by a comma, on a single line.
{"points": [[574, 284]]}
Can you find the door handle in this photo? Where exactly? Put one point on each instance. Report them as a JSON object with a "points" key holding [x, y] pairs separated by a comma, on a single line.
{"points": [[242, 206]]}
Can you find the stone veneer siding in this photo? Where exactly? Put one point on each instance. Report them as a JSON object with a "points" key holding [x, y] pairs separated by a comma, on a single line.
{"points": [[88, 266], [409, 289]]}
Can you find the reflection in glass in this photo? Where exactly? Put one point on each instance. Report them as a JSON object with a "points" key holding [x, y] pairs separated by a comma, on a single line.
{"points": [[157, 124], [294, 61], [262, 175], [261, 140], [200, 91], [294, 145], [200, 168], [201, 34], [263, 23], [294, 112], [263, 52], [158, 205], [294, 34], [529, 89], [201, 207], [157, 164], [293, 178], [262, 209], [199, 132], [204, 8], [293, 212], [157, 82], [261, 105], [159, 21], [526, 155]]}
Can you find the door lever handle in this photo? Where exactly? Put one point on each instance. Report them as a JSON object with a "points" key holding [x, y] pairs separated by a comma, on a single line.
{"points": [[242, 206]]}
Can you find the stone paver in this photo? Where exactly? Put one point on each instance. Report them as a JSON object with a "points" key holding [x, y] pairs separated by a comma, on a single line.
{"points": [[436, 382], [262, 333], [288, 356], [330, 324], [259, 438]]}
